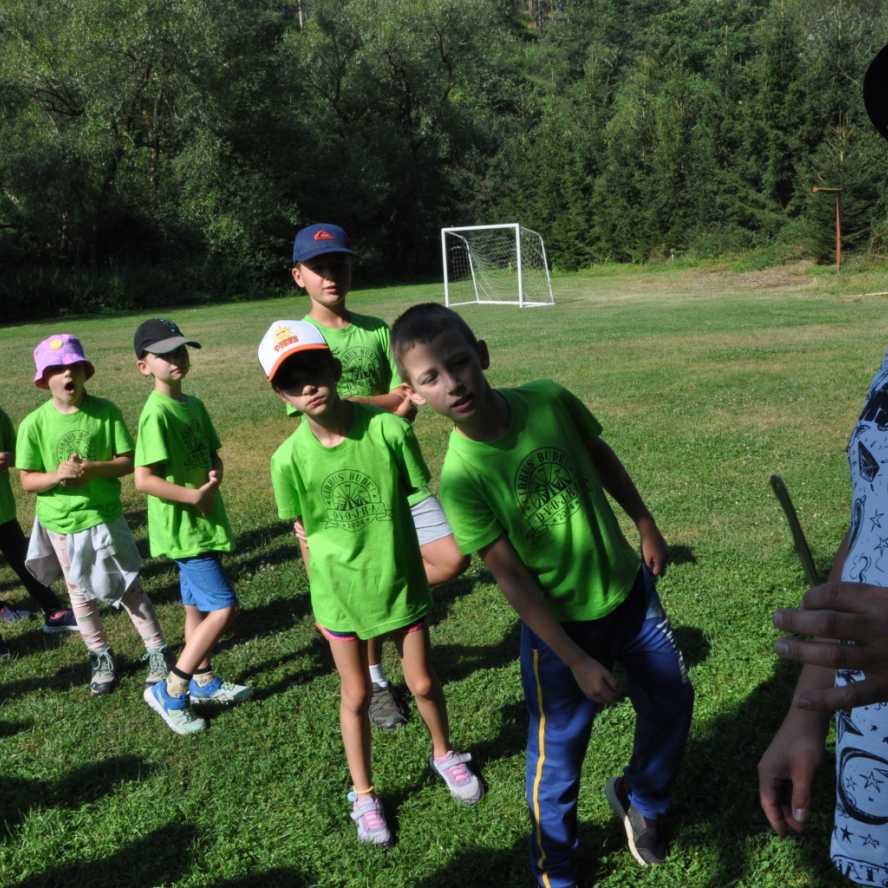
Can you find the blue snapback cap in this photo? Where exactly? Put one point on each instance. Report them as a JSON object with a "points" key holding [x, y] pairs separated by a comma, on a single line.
{"points": [[315, 240]]}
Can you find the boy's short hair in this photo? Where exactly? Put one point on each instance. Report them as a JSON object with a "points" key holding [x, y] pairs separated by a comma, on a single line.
{"points": [[423, 323]]}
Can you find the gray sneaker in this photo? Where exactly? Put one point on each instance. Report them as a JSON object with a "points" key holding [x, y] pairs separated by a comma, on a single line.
{"points": [[645, 840], [159, 662], [369, 817], [461, 780], [386, 711], [103, 675]]}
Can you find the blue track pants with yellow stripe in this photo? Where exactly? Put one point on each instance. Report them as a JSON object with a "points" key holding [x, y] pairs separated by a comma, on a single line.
{"points": [[638, 635]]}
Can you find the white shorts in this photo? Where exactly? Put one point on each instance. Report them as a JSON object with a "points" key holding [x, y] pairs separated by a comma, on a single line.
{"points": [[430, 521]]}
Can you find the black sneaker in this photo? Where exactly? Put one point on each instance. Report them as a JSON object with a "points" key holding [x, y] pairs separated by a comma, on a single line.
{"points": [[386, 711], [645, 842], [60, 621]]}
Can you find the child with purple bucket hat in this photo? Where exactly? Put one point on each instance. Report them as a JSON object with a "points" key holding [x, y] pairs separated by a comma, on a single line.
{"points": [[71, 453]]}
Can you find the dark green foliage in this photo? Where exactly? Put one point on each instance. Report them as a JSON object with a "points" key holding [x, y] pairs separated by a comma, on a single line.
{"points": [[156, 152]]}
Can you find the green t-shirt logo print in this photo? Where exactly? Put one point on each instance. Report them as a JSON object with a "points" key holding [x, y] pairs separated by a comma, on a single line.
{"points": [[353, 500], [545, 488], [74, 441], [360, 373]]}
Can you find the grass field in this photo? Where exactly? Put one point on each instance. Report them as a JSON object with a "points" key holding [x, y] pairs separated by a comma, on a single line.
{"points": [[706, 381]]}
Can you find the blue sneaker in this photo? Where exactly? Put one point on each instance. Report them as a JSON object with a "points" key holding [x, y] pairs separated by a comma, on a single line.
{"points": [[175, 711], [218, 692]]}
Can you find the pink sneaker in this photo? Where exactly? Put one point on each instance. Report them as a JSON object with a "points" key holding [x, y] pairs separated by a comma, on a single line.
{"points": [[462, 782], [367, 813]]}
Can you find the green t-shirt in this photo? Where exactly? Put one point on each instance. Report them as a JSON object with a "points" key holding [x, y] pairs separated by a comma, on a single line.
{"points": [[7, 445], [46, 438], [366, 571], [537, 485], [179, 439]]}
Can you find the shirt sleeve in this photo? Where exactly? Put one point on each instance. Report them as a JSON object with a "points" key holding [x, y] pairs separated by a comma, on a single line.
{"points": [[587, 425], [394, 377], [151, 446], [213, 442], [416, 472], [469, 514], [27, 447], [283, 482], [121, 439]]}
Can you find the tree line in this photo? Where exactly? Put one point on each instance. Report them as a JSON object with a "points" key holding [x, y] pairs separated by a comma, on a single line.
{"points": [[163, 151]]}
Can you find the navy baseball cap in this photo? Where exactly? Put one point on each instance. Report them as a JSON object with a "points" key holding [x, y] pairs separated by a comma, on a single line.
{"points": [[315, 240]]}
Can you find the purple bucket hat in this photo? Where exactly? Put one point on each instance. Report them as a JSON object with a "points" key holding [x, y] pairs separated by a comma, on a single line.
{"points": [[59, 350]]}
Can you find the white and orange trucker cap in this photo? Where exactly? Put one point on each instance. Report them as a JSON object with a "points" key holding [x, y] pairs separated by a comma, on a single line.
{"points": [[283, 339]]}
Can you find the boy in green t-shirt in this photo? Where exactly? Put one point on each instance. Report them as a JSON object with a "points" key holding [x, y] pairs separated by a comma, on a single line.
{"points": [[346, 473], [14, 547], [70, 453], [523, 482], [322, 266], [178, 466]]}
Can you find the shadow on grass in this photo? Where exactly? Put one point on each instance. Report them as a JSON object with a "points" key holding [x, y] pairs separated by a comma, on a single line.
{"points": [[320, 665], [717, 791], [454, 662], [78, 787], [273, 616], [157, 859], [274, 878], [10, 729], [681, 555]]}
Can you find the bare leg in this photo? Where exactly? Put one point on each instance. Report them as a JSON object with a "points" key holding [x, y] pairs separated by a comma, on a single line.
{"points": [[413, 648], [202, 631], [350, 657]]}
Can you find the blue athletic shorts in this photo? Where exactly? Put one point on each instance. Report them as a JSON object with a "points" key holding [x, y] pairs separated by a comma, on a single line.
{"points": [[203, 584]]}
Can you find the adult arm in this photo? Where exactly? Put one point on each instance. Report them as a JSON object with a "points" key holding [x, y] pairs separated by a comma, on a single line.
{"points": [[787, 768], [524, 594]]}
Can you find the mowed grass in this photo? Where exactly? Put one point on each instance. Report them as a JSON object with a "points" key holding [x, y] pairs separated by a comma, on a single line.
{"points": [[705, 381]]}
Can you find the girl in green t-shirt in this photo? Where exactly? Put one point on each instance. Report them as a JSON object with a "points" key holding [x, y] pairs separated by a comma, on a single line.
{"points": [[345, 473]]}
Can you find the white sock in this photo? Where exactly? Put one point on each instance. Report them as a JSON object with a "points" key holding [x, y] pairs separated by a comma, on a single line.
{"points": [[377, 675]]}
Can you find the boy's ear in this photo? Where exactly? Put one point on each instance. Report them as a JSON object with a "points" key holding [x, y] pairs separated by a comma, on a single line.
{"points": [[142, 365], [483, 355], [296, 274], [413, 395]]}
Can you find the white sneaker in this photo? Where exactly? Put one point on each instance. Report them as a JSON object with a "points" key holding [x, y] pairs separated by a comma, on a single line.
{"points": [[218, 693]]}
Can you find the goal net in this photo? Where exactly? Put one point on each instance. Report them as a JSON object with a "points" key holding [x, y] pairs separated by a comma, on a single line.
{"points": [[500, 264]]}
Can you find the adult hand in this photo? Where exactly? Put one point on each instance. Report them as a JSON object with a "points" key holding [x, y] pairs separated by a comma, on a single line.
{"points": [[786, 771], [596, 682], [840, 612]]}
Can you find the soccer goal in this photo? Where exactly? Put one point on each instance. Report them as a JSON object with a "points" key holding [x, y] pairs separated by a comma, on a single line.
{"points": [[498, 264]]}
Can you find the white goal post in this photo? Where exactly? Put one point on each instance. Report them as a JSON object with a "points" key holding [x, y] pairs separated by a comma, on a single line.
{"points": [[495, 265]]}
